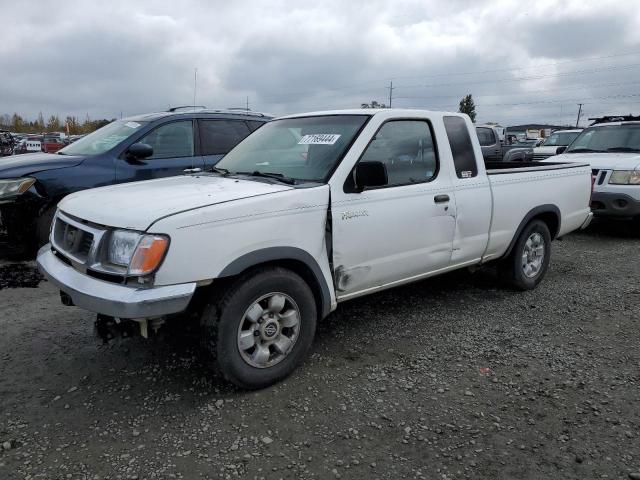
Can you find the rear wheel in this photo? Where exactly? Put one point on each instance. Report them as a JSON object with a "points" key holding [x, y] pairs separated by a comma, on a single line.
{"points": [[528, 262], [262, 328]]}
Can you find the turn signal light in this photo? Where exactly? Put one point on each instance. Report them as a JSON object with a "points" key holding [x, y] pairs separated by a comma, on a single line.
{"points": [[148, 255]]}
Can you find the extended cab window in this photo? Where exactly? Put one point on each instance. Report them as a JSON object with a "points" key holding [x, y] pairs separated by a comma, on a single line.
{"points": [[407, 150], [218, 137], [171, 140], [486, 136], [464, 157]]}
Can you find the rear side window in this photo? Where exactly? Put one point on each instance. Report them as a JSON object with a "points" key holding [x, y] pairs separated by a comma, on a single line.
{"points": [[464, 158], [218, 137], [486, 136]]}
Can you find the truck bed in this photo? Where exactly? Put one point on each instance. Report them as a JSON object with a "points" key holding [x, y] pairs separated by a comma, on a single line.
{"points": [[519, 189]]}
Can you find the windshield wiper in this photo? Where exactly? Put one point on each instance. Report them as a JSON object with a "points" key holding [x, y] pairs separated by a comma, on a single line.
{"points": [[584, 150], [623, 149], [222, 171], [276, 176]]}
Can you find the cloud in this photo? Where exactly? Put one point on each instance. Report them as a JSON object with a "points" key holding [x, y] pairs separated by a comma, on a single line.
{"points": [[530, 61]]}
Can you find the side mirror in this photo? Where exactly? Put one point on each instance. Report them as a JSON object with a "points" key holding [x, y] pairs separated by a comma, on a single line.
{"points": [[370, 174], [560, 150], [139, 151]]}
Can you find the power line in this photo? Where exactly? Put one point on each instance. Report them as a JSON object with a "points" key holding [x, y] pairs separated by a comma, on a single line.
{"points": [[477, 72], [530, 92], [521, 79], [359, 85]]}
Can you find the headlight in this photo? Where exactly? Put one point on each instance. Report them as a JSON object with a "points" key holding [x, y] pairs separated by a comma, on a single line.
{"points": [[16, 186], [625, 177], [140, 253]]}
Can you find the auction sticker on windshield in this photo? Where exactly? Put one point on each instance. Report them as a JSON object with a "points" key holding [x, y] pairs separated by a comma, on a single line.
{"points": [[132, 124], [319, 139]]}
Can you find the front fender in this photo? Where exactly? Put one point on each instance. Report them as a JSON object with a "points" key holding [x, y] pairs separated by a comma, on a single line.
{"points": [[284, 254]]}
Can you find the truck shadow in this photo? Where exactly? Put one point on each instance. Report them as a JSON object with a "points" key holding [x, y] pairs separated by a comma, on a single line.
{"points": [[611, 228], [19, 275]]}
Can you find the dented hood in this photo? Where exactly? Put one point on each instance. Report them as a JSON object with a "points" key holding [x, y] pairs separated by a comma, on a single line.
{"points": [[137, 205]]}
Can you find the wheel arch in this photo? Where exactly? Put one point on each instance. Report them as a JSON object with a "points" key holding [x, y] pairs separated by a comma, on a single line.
{"points": [[292, 258], [549, 214]]}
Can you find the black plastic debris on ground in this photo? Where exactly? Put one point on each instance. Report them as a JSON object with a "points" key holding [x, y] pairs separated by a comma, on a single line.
{"points": [[18, 275]]}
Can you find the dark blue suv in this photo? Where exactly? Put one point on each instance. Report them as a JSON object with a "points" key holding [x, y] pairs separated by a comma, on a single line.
{"points": [[182, 140]]}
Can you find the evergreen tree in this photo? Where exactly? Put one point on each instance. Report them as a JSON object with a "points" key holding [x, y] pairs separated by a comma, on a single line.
{"points": [[468, 106]]}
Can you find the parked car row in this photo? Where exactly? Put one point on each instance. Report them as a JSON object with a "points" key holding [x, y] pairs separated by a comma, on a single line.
{"points": [[17, 144]]}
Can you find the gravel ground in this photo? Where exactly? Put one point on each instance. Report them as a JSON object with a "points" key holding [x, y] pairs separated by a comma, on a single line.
{"points": [[450, 378]]}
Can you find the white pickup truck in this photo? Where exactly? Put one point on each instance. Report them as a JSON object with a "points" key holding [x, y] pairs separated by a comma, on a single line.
{"points": [[309, 211]]}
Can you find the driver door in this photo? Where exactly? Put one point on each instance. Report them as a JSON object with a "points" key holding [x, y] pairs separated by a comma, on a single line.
{"points": [[399, 231], [174, 153]]}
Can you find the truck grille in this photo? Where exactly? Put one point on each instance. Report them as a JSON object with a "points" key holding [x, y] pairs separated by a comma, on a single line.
{"points": [[80, 246], [71, 240]]}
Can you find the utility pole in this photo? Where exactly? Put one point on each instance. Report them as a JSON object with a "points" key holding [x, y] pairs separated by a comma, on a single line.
{"points": [[579, 112], [247, 103], [390, 93], [195, 86]]}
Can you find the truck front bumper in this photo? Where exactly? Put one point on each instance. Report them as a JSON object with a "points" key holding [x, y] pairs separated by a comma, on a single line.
{"points": [[115, 300], [610, 204]]}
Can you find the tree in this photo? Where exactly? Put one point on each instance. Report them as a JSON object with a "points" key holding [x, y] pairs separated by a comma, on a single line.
{"points": [[72, 125], [467, 106], [373, 104], [17, 123], [40, 122], [53, 124]]}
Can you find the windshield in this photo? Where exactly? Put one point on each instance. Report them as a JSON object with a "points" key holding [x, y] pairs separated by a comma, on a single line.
{"points": [[103, 139], [622, 138], [305, 148], [560, 139]]}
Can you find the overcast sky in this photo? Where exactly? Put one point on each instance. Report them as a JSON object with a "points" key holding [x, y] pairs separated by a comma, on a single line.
{"points": [[523, 61]]}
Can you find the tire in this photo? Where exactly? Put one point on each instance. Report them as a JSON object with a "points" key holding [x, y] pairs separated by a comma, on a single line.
{"points": [[523, 268], [234, 322], [43, 227]]}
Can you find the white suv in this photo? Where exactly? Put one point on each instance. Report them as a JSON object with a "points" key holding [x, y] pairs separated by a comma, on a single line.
{"points": [[549, 147], [611, 145]]}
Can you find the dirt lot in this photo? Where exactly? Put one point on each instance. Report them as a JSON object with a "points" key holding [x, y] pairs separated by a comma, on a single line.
{"points": [[455, 377]]}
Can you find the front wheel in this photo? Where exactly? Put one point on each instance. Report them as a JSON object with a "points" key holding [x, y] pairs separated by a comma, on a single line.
{"points": [[262, 328], [528, 262]]}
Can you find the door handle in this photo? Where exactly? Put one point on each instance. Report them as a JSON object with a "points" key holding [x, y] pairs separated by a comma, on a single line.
{"points": [[441, 198], [192, 170]]}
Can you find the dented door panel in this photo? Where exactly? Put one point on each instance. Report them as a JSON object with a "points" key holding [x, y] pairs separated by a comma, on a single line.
{"points": [[385, 235]]}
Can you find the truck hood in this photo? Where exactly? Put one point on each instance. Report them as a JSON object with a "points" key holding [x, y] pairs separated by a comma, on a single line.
{"points": [[29, 163], [138, 205], [545, 150], [602, 161]]}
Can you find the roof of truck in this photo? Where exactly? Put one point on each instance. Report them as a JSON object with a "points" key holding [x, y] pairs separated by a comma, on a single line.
{"points": [[373, 111]]}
